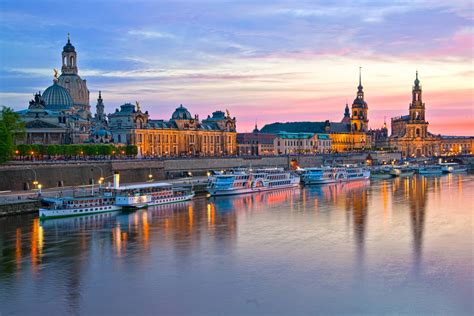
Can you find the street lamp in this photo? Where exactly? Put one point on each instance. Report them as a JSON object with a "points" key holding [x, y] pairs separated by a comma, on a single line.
{"points": [[39, 188]]}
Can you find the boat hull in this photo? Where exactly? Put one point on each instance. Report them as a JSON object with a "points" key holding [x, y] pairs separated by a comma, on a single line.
{"points": [[430, 172], [223, 192], [159, 202], [458, 170], [318, 181], [45, 213]]}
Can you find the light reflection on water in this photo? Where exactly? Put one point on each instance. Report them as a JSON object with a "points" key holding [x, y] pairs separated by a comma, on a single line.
{"points": [[403, 245]]}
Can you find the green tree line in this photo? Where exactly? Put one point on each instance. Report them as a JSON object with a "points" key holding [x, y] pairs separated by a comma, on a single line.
{"points": [[11, 127], [74, 150]]}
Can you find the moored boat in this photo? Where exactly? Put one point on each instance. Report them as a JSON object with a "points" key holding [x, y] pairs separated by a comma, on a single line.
{"points": [[150, 194], [383, 172], [334, 174], [74, 206], [142, 195], [402, 171], [318, 175], [430, 170], [452, 167], [249, 181]]}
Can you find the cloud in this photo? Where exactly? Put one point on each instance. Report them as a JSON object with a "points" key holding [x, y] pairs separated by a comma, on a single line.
{"points": [[148, 34]]}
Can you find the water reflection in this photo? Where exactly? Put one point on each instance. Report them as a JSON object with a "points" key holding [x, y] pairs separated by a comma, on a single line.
{"points": [[67, 253]]}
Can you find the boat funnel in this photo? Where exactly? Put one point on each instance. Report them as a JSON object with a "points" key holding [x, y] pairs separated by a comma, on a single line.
{"points": [[116, 180]]}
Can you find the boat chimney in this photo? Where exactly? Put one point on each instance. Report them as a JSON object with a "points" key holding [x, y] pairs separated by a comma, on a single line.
{"points": [[116, 180]]}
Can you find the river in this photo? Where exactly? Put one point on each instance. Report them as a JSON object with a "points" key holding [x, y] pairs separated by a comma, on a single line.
{"points": [[384, 246]]}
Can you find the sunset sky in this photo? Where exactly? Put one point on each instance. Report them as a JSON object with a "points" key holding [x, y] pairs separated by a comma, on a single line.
{"points": [[265, 61]]}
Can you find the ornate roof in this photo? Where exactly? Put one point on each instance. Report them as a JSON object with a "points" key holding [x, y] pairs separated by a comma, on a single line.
{"points": [[181, 113], [40, 124], [68, 48], [306, 127], [57, 98]]}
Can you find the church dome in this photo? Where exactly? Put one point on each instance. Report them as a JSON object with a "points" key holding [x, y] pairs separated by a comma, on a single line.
{"points": [[181, 113], [68, 48], [57, 98], [76, 87]]}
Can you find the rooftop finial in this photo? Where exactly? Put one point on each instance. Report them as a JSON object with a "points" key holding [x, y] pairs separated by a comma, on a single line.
{"points": [[417, 81], [68, 37], [360, 76]]}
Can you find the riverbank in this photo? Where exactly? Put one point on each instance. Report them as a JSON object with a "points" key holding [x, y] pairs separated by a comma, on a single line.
{"points": [[17, 176]]}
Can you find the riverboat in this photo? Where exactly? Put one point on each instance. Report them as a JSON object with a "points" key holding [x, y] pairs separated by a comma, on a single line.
{"points": [[452, 167], [137, 196], [383, 172], [142, 195], [402, 171], [249, 181], [321, 175], [430, 170], [75, 206]]}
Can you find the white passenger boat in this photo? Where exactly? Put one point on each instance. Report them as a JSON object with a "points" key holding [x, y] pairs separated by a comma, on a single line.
{"points": [[332, 175], [74, 206], [318, 175], [401, 171], [430, 170], [249, 181], [146, 194], [356, 173], [452, 167], [382, 172]]}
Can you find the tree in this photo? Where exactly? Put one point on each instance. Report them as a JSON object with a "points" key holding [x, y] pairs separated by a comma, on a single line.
{"points": [[131, 150], [105, 150], [53, 150], [11, 127]]}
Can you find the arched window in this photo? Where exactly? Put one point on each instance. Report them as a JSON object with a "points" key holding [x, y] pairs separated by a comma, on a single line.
{"points": [[418, 132], [355, 113], [72, 61]]}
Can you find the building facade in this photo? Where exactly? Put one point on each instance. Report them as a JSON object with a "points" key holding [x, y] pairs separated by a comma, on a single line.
{"points": [[255, 143], [351, 133], [301, 143], [182, 135], [410, 133]]}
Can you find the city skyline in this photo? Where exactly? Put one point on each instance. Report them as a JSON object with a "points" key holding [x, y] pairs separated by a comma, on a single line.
{"points": [[257, 61]]}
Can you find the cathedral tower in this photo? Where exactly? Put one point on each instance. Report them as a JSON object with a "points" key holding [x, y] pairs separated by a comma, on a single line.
{"points": [[359, 118], [73, 83], [69, 58], [100, 116], [417, 107]]}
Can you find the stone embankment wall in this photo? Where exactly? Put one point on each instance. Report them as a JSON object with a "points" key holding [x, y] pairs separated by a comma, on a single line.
{"points": [[20, 176], [20, 207]]}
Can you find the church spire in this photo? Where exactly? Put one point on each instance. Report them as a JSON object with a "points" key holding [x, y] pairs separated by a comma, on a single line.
{"points": [[255, 130], [417, 81], [100, 115], [360, 79], [69, 58], [347, 112]]}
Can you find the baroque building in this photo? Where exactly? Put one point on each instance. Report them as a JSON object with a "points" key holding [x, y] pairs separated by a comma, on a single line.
{"points": [[351, 133], [255, 143], [61, 114], [182, 135], [74, 84], [410, 133]]}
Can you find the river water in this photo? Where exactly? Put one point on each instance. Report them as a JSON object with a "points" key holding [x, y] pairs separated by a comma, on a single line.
{"points": [[384, 246]]}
